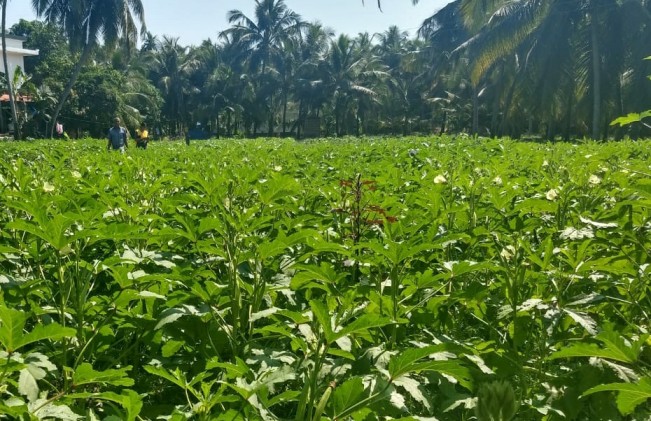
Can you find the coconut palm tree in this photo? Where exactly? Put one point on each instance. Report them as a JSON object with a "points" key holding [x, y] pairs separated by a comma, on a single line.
{"points": [[171, 67], [502, 26], [85, 22], [346, 75], [262, 39], [313, 43]]}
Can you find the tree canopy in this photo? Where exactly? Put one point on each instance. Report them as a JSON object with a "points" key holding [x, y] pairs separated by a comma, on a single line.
{"points": [[529, 68]]}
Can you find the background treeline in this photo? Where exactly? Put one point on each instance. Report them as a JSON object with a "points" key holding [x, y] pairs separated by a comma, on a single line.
{"points": [[542, 68]]}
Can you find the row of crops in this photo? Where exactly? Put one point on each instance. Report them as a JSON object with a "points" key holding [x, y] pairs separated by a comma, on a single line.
{"points": [[414, 278]]}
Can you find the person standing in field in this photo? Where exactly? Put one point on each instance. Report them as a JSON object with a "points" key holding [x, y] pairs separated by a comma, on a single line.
{"points": [[142, 137], [59, 130], [117, 137]]}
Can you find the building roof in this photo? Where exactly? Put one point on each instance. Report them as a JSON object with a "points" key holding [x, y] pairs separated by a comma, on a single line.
{"points": [[19, 98], [21, 51], [16, 37]]}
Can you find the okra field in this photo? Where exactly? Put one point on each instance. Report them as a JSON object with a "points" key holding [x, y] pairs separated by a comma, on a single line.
{"points": [[416, 278]]}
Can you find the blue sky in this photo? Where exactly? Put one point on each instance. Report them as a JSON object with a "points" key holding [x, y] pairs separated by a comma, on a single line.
{"points": [[195, 20]]}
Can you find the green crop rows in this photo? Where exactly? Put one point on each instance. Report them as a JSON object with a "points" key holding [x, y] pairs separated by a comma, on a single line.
{"points": [[416, 278]]}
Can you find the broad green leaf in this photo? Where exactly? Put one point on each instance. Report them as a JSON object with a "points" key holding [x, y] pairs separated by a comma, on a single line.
{"points": [[45, 410], [615, 349], [233, 371], [362, 324], [630, 395], [321, 314], [12, 324], [85, 375], [411, 361], [307, 274], [52, 331], [163, 373], [171, 347], [630, 118], [284, 397], [346, 395], [128, 399], [27, 385]]}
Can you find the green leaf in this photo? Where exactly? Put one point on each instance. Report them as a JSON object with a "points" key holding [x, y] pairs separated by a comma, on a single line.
{"points": [[629, 396], [171, 347], [322, 316], [52, 331], [27, 385], [615, 349], [347, 395], [161, 372], [12, 324], [128, 399], [410, 361], [310, 274], [284, 397], [362, 324], [631, 118], [47, 411], [85, 374]]}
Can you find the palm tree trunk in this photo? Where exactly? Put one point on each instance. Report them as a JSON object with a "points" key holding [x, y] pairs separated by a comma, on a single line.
{"points": [[475, 110], [568, 115], [596, 77], [217, 126], [8, 75], [85, 54]]}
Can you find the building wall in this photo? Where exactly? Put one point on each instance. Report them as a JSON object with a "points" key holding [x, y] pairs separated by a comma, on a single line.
{"points": [[15, 54], [13, 60]]}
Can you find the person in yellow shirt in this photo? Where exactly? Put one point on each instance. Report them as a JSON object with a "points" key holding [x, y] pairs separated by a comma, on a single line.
{"points": [[142, 137]]}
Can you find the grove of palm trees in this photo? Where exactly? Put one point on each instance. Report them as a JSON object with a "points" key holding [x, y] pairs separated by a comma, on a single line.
{"points": [[539, 68]]}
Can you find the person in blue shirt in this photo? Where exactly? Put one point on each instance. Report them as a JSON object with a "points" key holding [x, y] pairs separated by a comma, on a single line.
{"points": [[195, 133], [117, 137]]}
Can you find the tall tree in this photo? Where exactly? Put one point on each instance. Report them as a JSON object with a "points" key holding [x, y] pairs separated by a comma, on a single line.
{"points": [[85, 22], [501, 26], [263, 39], [171, 68], [8, 75], [345, 74]]}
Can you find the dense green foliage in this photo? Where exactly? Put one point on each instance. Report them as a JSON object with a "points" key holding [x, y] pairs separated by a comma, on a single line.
{"points": [[339, 280], [556, 68]]}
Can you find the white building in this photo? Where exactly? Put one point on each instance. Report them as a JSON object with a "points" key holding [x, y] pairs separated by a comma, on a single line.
{"points": [[15, 57], [15, 54]]}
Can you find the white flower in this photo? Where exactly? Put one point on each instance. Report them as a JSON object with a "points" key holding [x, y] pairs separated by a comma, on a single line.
{"points": [[571, 233], [598, 224], [111, 213], [278, 168], [47, 187], [76, 174], [497, 181], [552, 194], [507, 252], [594, 180], [440, 179], [545, 163]]}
